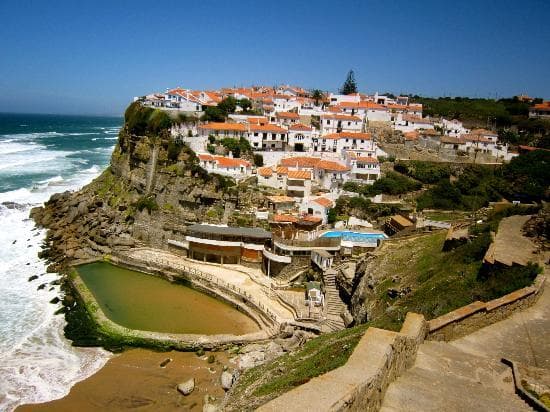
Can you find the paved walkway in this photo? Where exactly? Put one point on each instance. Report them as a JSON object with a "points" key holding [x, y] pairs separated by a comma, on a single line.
{"points": [[510, 245], [250, 280], [467, 374]]}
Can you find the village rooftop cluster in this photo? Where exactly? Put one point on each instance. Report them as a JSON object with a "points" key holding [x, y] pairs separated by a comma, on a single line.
{"points": [[312, 142]]}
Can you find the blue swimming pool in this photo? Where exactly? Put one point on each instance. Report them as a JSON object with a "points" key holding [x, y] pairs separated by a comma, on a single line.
{"points": [[355, 236]]}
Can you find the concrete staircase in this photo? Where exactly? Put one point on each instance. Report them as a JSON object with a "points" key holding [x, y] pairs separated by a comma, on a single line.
{"points": [[334, 305], [445, 378]]}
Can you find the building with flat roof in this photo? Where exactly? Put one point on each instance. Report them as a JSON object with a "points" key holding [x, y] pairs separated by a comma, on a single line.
{"points": [[224, 244]]}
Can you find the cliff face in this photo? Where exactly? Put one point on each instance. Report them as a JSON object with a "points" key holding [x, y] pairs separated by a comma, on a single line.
{"points": [[151, 190]]}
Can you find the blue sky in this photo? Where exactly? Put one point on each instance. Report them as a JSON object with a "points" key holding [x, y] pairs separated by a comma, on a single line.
{"points": [[93, 57]]}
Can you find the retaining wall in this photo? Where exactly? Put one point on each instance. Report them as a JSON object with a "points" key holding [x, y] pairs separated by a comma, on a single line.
{"points": [[359, 385], [468, 319]]}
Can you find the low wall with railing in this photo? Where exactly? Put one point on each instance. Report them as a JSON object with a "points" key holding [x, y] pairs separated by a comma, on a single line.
{"points": [[469, 318], [235, 296], [209, 284], [377, 360]]}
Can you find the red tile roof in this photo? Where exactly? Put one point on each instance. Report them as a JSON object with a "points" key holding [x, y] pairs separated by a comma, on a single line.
{"points": [[341, 117], [285, 219], [413, 135], [299, 174], [280, 199], [300, 126], [311, 218], [223, 161], [265, 171], [361, 105], [280, 170], [331, 166], [323, 201], [272, 128], [288, 115], [236, 127], [300, 161]]}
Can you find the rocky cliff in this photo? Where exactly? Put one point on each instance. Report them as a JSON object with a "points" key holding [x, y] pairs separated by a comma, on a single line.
{"points": [[153, 187]]}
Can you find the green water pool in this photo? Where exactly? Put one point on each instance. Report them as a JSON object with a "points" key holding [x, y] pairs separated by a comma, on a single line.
{"points": [[139, 301]]}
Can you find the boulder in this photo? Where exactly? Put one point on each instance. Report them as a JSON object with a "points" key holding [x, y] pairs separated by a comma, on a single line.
{"points": [[226, 380], [286, 331], [185, 388], [251, 359], [273, 350], [253, 347]]}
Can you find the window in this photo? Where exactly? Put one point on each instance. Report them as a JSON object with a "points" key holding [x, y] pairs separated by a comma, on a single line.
{"points": [[328, 121], [349, 123], [255, 134]]}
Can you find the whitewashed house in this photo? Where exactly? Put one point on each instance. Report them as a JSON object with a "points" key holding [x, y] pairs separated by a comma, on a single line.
{"points": [[336, 99], [408, 123], [336, 142], [237, 168], [222, 129], [268, 137], [287, 118], [453, 127], [319, 207], [182, 100], [298, 184], [300, 137], [336, 123], [330, 175], [365, 167]]}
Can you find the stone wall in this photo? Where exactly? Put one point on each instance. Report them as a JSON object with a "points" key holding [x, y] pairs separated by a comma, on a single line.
{"points": [[379, 358], [468, 319]]}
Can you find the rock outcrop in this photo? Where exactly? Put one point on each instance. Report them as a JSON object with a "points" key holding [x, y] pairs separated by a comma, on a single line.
{"points": [[152, 189]]}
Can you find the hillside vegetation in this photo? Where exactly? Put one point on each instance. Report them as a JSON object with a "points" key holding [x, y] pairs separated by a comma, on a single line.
{"points": [[509, 116], [525, 178]]}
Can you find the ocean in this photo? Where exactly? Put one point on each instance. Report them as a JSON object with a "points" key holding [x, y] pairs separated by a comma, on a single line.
{"points": [[41, 155]]}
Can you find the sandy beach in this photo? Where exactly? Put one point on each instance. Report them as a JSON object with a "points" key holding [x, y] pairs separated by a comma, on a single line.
{"points": [[134, 380]]}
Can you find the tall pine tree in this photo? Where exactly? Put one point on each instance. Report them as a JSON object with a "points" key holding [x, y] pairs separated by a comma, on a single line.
{"points": [[349, 86]]}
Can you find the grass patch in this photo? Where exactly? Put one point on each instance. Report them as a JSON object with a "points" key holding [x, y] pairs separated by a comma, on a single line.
{"points": [[442, 216], [320, 355], [444, 281]]}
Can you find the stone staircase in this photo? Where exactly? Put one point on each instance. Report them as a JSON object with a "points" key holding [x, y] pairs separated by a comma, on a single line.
{"points": [[445, 378], [334, 306]]}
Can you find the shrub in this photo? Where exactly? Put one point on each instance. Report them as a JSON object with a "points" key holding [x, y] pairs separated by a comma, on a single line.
{"points": [[395, 184], [258, 160], [147, 202], [425, 172], [174, 150]]}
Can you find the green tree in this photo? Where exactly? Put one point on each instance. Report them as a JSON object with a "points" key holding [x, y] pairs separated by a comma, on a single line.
{"points": [[228, 105], [213, 114], [245, 104], [349, 86], [258, 160], [317, 95]]}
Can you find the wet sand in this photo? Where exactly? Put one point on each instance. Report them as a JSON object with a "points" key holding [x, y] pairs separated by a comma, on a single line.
{"points": [[134, 380]]}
